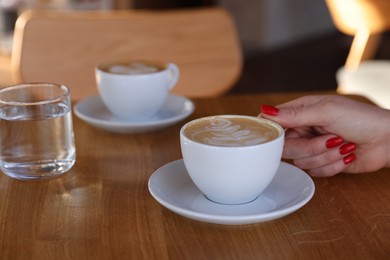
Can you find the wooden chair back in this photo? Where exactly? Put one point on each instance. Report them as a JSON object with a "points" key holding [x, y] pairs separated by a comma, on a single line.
{"points": [[64, 47]]}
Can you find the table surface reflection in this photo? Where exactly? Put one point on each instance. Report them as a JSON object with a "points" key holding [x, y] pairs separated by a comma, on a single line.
{"points": [[102, 208]]}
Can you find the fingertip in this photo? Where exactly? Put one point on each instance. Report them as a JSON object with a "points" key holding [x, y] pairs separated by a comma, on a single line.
{"points": [[349, 158], [269, 110], [333, 142], [347, 148]]}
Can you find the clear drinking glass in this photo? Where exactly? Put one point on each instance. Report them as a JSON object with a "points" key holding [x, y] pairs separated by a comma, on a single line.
{"points": [[36, 131]]}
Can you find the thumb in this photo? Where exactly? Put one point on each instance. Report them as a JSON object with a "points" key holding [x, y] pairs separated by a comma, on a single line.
{"points": [[292, 116]]}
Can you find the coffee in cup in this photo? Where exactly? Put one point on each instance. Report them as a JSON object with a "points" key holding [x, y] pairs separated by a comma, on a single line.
{"points": [[133, 67], [135, 89], [231, 158]]}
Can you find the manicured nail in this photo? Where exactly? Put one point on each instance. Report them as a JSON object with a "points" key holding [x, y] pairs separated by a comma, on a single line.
{"points": [[269, 110], [347, 148], [349, 158], [334, 142]]}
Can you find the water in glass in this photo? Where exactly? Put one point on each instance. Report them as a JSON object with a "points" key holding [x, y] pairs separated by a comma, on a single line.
{"points": [[36, 141]]}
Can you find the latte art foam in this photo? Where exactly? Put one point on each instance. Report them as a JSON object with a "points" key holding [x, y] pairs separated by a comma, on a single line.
{"points": [[231, 131]]}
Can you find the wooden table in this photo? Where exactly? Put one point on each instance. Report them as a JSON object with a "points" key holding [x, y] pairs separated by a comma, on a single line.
{"points": [[102, 208]]}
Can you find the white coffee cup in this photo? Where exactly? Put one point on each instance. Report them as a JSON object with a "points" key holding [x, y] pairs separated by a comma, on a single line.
{"points": [[135, 89], [227, 158]]}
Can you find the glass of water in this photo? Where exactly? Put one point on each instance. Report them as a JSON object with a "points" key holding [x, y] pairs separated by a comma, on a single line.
{"points": [[36, 131]]}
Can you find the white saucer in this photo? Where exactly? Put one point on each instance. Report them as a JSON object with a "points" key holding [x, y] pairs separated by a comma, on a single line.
{"points": [[93, 111], [172, 187]]}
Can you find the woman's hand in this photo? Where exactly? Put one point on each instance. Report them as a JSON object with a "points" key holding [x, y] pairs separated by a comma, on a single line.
{"points": [[327, 135]]}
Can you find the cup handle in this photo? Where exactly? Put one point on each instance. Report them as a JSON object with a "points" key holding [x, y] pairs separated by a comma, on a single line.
{"points": [[174, 73]]}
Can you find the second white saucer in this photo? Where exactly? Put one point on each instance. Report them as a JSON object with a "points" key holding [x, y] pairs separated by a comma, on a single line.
{"points": [[172, 187], [94, 112]]}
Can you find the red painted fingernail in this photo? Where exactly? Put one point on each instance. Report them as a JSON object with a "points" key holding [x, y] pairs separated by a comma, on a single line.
{"points": [[269, 110], [349, 158], [334, 142], [347, 148]]}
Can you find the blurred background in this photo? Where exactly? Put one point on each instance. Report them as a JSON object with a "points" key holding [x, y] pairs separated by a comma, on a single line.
{"points": [[287, 45]]}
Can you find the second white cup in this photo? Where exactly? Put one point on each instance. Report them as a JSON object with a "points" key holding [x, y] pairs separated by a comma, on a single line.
{"points": [[135, 89]]}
